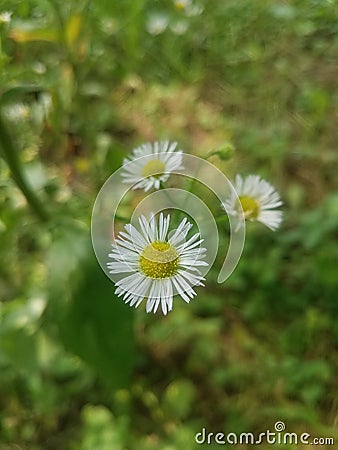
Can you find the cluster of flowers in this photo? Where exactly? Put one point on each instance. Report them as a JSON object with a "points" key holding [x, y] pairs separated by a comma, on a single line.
{"points": [[158, 265]]}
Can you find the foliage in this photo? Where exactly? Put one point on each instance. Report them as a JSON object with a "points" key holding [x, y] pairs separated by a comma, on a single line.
{"points": [[81, 84]]}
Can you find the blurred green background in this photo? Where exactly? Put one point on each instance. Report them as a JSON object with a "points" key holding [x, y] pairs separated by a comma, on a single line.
{"points": [[82, 83]]}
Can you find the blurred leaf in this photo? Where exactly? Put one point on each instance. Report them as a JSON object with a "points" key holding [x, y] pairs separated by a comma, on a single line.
{"points": [[73, 28], [18, 327], [27, 33], [90, 320], [12, 94], [18, 347]]}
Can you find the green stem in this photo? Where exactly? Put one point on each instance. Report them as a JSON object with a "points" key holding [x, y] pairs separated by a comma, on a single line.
{"points": [[224, 153], [192, 182], [121, 218], [222, 219], [177, 211], [60, 22], [166, 193], [10, 156], [210, 154]]}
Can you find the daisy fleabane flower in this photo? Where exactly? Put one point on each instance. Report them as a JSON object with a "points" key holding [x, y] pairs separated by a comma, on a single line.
{"points": [[159, 266], [5, 16], [150, 164], [258, 200]]}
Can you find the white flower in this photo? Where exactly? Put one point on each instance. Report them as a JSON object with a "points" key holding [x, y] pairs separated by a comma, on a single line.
{"points": [[17, 111], [179, 27], [194, 10], [258, 199], [188, 7], [160, 266], [182, 4], [157, 24], [5, 16], [151, 164]]}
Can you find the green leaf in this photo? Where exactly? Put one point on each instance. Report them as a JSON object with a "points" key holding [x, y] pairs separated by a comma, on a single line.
{"points": [[11, 94], [18, 347], [27, 33], [73, 28], [18, 333], [86, 315]]}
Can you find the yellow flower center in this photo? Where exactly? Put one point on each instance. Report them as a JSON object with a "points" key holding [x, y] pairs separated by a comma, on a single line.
{"points": [[180, 5], [250, 207], [154, 168], [159, 260]]}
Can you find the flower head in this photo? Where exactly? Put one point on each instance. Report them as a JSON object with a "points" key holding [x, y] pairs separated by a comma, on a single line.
{"points": [[151, 164], [5, 16], [179, 27], [182, 4], [17, 111], [157, 23], [159, 266], [258, 200], [190, 8]]}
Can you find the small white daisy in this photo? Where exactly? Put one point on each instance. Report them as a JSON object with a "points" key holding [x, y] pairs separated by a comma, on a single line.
{"points": [[157, 24], [5, 16], [160, 266], [179, 27], [17, 111], [191, 9], [258, 199], [182, 4], [150, 164]]}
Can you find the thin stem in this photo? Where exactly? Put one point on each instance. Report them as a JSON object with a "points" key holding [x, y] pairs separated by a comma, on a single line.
{"points": [[177, 210], [166, 193], [224, 153], [10, 156], [210, 154], [222, 219], [121, 218]]}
